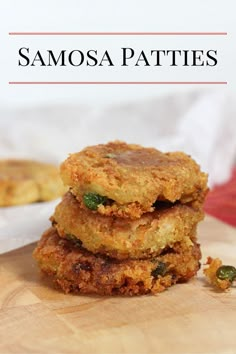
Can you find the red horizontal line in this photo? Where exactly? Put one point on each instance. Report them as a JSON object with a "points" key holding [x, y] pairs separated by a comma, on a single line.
{"points": [[117, 33], [117, 82]]}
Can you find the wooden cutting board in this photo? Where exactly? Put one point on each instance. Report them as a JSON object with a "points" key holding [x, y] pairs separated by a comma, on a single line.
{"points": [[188, 318]]}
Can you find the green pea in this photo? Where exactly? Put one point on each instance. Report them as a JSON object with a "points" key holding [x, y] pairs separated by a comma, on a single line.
{"points": [[161, 269], [226, 272], [92, 200], [110, 156]]}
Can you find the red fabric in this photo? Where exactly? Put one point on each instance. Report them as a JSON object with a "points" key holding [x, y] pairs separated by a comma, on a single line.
{"points": [[221, 201]]}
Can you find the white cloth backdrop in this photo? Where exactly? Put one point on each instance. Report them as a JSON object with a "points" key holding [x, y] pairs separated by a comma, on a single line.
{"points": [[201, 123]]}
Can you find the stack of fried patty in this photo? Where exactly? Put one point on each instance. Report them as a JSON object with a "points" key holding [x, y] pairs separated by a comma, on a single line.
{"points": [[128, 223]]}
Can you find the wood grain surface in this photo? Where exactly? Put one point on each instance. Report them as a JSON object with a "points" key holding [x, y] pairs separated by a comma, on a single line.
{"points": [[187, 318]]}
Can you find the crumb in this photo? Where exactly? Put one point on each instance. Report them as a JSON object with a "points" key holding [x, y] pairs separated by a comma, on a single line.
{"points": [[219, 275]]}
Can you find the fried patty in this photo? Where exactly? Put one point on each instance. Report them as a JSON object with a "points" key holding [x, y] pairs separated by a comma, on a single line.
{"points": [[26, 181], [126, 180], [126, 238], [77, 270]]}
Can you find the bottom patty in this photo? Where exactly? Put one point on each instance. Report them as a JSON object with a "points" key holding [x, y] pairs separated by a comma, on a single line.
{"points": [[75, 269]]}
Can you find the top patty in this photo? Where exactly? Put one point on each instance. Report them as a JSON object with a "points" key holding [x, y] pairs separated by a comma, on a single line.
{"points": [[126, 180], [26, 181]]}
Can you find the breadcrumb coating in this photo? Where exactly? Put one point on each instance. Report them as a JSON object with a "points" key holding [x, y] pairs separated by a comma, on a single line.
{"points": [[126, 238], [74, 269], [133, 178]]}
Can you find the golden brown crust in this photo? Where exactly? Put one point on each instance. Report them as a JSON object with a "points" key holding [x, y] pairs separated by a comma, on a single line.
{"points": [[133, 177], [121, 239], [26, 181], [77, 270]]}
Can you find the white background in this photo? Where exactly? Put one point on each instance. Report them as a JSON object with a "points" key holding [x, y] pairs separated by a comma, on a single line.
{"points": [[133, 15]]}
